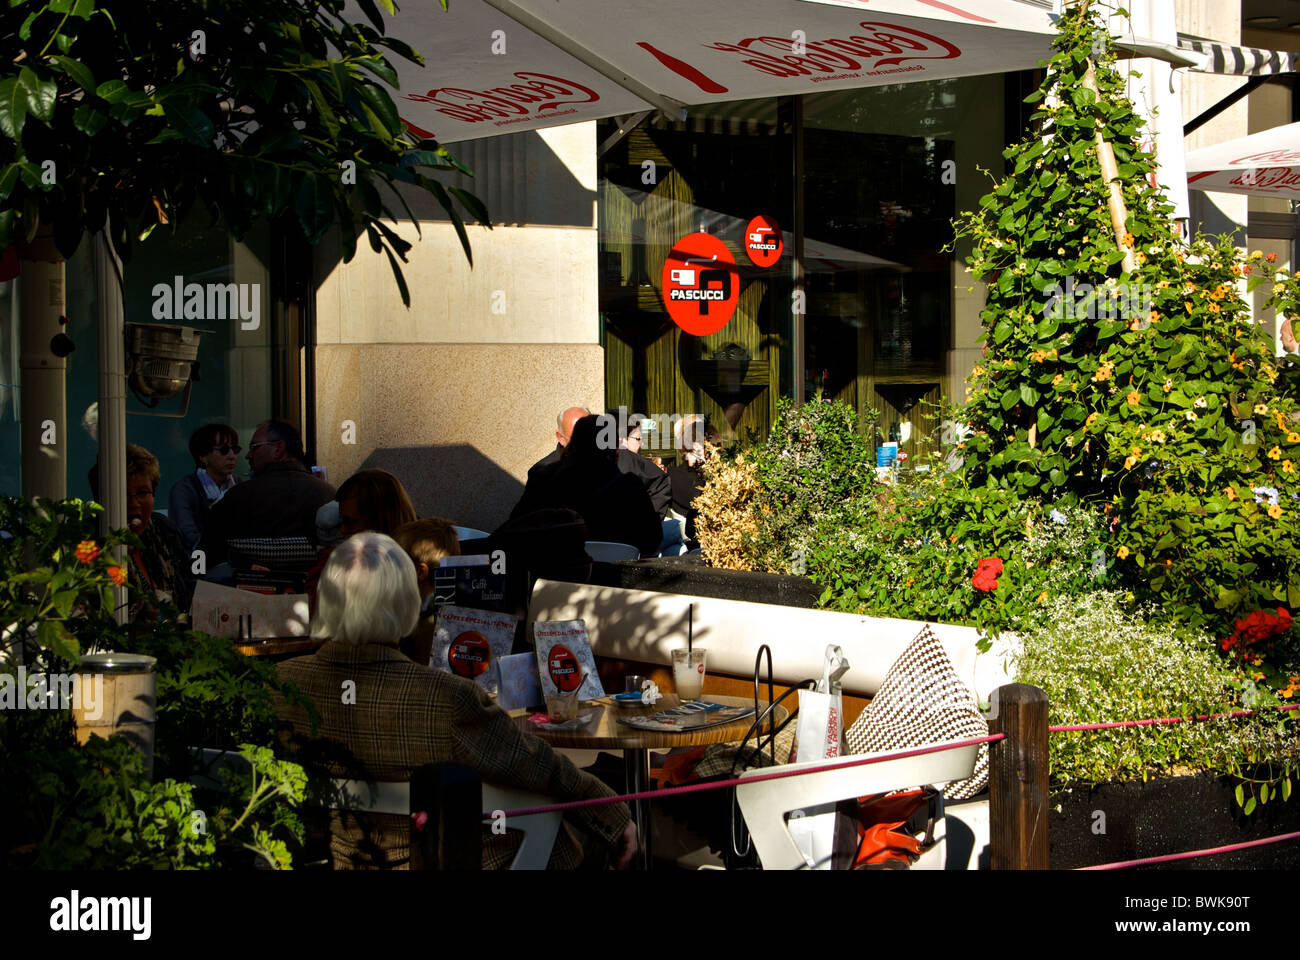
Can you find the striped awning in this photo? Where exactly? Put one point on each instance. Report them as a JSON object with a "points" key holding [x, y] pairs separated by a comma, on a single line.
{"points": [[1238, 61]]}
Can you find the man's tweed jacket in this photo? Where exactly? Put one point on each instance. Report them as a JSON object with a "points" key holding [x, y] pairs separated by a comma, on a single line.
{"points": [[406, 715]]}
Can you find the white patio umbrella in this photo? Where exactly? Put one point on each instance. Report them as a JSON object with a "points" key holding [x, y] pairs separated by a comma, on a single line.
{"points": [[1265, 164], [504, 66]]}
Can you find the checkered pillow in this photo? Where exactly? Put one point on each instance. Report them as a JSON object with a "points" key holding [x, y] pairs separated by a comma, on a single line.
{"points": [[923, 701], [274, 552]]}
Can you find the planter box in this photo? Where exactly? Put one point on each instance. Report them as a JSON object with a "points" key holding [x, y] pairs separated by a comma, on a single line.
{"points": [[690, 575], [1170, 815]]}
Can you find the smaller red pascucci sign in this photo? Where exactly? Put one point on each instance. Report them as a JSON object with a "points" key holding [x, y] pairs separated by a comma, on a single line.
{"points": [[564, 669], [763, 243], [700, 285], [469, 654]]}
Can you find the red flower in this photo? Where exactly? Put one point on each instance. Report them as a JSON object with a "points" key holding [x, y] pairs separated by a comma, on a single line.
{"points": [[1258, 627], [87, 551], [1271, 258], [118, 575], [986, 574]]}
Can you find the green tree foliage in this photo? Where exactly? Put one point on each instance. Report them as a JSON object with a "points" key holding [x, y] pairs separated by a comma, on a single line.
{"points": [[1149, 393], [143, 112]]}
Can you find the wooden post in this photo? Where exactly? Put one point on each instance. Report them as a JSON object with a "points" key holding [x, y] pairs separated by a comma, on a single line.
{"points": [[1018, 779], [451, 795], [1110, 171]]}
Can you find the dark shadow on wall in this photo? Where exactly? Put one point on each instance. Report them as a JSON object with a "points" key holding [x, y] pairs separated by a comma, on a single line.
{"points": [[521, 180], [1207, 218], [454, 481]]}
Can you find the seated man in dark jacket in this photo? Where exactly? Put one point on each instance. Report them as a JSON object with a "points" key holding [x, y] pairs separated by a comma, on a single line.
{"points": [[614, 504], [280, 500], [652, 476]]}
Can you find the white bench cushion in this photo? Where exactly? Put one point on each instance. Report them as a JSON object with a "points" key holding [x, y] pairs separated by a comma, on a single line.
{"points": [[646, 626]]}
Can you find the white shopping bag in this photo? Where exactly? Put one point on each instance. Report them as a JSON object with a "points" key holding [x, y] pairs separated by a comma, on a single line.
{"points": [[819, 735]]}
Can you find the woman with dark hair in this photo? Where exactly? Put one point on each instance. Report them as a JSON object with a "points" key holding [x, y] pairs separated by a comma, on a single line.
{"points": [[215, 449], [372, 500], [369, 500]]}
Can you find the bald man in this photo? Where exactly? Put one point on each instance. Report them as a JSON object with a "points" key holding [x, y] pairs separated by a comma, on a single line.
{"points": [[564, 429]]}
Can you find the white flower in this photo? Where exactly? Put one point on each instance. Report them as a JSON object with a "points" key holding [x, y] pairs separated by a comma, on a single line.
{"points": [[1056, 516]]}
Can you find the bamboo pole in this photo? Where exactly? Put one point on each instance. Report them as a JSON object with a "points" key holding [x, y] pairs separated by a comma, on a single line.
{"points": [[1109, 169]]}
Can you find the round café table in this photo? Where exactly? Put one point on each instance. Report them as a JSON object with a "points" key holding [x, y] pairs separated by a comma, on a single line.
{"points": [[604, 732]]}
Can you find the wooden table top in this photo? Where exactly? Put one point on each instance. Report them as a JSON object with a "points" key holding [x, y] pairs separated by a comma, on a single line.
{"points": [[279, 646], [606, 733]]}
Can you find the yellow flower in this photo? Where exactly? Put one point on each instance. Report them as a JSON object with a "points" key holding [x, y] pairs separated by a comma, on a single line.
{"points": [[1188, 305], [1214, 308], [1288, 466], [1128, 240], [1158, 436], [1038, 356], [1169, 385], [1153, 316], [1293, 437], [1162, 285], [1129, 462], [1056, 380], [1269, 372], [1220, 292], [1088, 423], [1122, 553], [1042, 597], [1103, 372], [1134, 398], [1230, 492], [1279, 287], [1141, 257], [1261, 408], [1275, 512], [1275, 454], [1256, 254]]}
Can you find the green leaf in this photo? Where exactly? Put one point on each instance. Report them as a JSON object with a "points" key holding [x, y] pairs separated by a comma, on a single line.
{"points": [[50, 635], [13, 108], [191, 122], [89, 120], [1240, 794], [78, 71], [112, 91], [41, 94], [1250, 806]]}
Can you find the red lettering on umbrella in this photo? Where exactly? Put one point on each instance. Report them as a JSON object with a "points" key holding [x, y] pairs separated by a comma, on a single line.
{"points": [[683, 69]]}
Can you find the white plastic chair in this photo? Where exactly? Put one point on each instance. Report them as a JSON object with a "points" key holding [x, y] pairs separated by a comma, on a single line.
{"points": [[606, 551], [766, 804], [469, 533], [539, 829]]}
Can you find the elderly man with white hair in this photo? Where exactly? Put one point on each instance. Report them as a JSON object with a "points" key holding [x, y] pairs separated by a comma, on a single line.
{"points": [[401, 715]]}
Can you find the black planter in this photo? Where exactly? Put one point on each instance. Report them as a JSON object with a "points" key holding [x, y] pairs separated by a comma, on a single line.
{"points": [[690, 575], [1170, 815]]}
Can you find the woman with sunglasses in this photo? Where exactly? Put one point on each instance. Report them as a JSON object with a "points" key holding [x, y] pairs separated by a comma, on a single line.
{"points": [[215, 448]]}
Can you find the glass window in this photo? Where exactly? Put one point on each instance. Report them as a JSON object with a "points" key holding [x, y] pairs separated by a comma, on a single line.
{"points": [[714, 172]]}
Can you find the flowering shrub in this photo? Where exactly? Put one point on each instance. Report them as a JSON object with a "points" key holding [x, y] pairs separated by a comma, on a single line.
{"points": [[1099, 664], [90, 806], [1164, 407]]}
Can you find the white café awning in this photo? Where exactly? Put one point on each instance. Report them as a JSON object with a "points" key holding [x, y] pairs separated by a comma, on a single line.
{"points": [[505, 66], [1265, 164]]}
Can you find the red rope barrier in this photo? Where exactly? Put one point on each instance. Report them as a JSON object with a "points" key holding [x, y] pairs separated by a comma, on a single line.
{"points": [[719, 784], [1119, 724], [1192, 854]]}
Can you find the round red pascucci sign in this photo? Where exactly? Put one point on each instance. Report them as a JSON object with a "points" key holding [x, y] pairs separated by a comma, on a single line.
{"points": [[469, 654], [700, 284], [564, 669], [763, 243]]}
